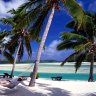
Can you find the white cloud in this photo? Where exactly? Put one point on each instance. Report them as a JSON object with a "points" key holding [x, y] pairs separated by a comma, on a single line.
{"points": [[6, 39], [6, 6], [51, 49], [50, 53]]}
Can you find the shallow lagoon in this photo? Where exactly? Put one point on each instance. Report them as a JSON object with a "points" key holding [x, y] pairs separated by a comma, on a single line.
{"points": [[47, 70]]}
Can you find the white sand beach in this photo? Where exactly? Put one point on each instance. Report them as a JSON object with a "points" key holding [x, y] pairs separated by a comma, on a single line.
{"points": [[48, 87], [45, 87]]}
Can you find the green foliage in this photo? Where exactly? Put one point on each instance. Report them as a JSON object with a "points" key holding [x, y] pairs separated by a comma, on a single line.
{"points": [[76, 11], [8, 56], [37, 76], [80, 40], [12, 44], [21, 51], [2, 35], [28, 45], [82, 46], [79, 58], [72, 36], [68, 58], [36, 28], [29, 18], [67, 45], [8, 21]]}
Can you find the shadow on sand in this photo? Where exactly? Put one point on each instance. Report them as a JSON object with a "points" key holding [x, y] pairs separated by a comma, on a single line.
{"points": [[24, 91], [91, 94]]}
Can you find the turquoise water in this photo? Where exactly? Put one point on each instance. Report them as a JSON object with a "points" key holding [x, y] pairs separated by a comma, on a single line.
{"points": [[65, 76], [48, 70]]}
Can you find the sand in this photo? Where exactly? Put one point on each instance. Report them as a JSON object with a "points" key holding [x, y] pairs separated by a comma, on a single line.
{"points": [[45, 87], [48, 87]]}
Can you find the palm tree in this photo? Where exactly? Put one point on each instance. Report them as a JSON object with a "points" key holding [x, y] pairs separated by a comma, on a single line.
{"points": [[32, 82], [82, 41], [19, 37], [36, 12], [3, 43]]}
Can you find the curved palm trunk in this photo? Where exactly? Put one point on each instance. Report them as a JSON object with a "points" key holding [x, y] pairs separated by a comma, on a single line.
{"points": [[91, 78], [15, 59], [33, 77]]}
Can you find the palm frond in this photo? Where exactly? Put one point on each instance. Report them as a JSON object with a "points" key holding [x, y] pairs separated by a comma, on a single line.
{"points": [[36, 28], [79, 59], [74, 26], [75, 10], [28, 45], [29, 5], [89, 27], [68, 58], [8, 57], [3, 34], [21, 51], [71, 24], [67, 45], [11, 47], [8, 21], [12, 44], [12, 11], [72, 36], [84, 30], [29, 17], [83, 46]]}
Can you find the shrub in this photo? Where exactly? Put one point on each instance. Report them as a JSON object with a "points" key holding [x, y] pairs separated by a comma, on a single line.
{"points": [[36, 76]]}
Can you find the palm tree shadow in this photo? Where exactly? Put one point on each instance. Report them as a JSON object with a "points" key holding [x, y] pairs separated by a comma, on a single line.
{"points": [[58, 92], [5, 91], [53, 91], [91, 94], [19, 91], [43, 85], [24, 91]]}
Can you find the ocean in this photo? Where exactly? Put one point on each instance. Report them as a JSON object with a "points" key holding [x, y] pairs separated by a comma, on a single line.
{"points": [[48, 70]]}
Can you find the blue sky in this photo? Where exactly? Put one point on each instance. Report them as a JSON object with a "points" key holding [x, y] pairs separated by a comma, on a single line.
{"points": [[61, 18]]}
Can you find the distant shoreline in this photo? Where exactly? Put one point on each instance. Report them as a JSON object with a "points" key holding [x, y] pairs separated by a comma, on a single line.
{"points": [[55, 63], [6, 62], [49, 66]]}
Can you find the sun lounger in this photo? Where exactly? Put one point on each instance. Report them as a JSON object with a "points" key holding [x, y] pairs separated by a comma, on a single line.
{"points": [[57, 78], [7, 75]]}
